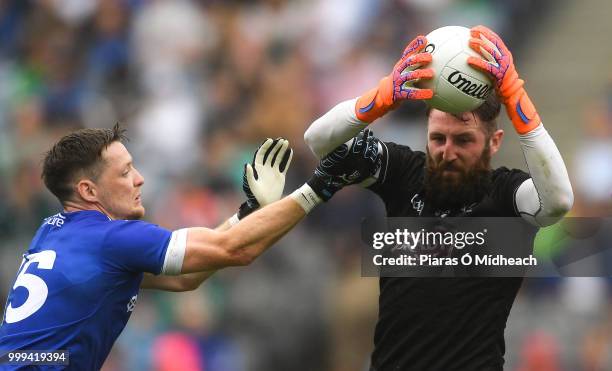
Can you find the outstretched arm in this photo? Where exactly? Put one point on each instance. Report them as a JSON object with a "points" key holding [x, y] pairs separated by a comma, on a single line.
{"points": [[348, 164], [192, 250], [201, 249], [207, 249], [239, 245], [263, 184], [196, 253], [547, 196]]}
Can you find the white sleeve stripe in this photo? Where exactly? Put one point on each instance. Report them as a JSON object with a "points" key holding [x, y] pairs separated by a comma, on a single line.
{"points": [[173, 262], [233, 220]]}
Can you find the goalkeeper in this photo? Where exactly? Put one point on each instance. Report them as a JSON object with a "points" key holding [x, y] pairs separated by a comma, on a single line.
{"points": [[436, 323]]}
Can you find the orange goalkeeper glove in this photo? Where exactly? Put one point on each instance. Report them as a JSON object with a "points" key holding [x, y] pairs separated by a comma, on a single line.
{"points": [[398, 85], [497, 61]]}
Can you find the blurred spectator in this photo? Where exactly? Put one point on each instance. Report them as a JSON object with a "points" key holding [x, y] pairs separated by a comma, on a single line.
{"points": [[593, 173], [196, 341], [540, 353]]}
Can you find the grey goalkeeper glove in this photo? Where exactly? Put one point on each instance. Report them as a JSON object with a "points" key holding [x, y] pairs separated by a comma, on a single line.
{"points": [[263, 180]]}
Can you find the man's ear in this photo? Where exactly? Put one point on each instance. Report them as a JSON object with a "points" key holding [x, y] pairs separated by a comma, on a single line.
{"points": [[496, 141], [86, 190]]}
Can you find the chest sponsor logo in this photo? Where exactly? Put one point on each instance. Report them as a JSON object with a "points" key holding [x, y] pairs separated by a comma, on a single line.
{"points": [[417, 203]]}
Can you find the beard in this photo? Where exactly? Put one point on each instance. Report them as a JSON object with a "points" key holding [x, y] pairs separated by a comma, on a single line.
{"points": [[453, 192]]}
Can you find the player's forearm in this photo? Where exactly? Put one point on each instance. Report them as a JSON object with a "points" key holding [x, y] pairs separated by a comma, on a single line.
{"points": [[211, 250], [253, 235], [192, 281], [333, 128], [549, 175], [227, 224]]}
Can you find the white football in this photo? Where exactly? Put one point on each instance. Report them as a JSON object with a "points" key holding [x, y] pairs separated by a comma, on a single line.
{"points": [[457, 86]]}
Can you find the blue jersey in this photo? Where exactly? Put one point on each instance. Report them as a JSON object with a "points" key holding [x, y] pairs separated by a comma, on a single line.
{"points": [[78, 284]]}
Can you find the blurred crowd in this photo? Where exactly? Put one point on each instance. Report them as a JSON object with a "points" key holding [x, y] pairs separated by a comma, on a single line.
{"points": [[198, 85]]}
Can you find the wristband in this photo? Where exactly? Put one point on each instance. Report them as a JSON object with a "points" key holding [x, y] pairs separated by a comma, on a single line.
{"points": [[306, 197], [234, 220]]}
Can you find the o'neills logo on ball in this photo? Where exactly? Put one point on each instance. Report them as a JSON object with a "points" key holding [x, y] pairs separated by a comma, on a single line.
{"points": [[470, 88]]}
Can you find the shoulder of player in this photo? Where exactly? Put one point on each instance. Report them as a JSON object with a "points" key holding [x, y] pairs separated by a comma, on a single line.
{"points": [[127, 226], [96, 226], [395, 149], [503, 173], [396, 146]]}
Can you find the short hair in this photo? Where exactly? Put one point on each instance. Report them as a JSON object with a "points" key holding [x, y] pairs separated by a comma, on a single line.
{"points": [[77, 153], [487, 112]]}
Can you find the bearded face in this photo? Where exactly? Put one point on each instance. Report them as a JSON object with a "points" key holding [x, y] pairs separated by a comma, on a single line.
{"points": [[448, 186], [458, 166]]}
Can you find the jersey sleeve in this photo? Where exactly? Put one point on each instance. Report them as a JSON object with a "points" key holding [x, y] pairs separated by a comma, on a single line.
{"points": [[136, 246], [505, 184], [399, 164]]}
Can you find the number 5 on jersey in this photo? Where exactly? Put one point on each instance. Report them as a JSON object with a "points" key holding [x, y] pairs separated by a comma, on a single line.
{"points": [[37, 288]]}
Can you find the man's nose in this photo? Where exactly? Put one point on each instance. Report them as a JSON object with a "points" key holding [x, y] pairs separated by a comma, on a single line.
{"points": [[449, 154], [139, 179]]}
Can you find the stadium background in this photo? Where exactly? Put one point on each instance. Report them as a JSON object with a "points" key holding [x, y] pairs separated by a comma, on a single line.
{"points": [[200, 83]]}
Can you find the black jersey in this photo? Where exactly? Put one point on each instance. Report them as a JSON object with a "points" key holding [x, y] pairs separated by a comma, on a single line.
{"points": [[441, 323]]}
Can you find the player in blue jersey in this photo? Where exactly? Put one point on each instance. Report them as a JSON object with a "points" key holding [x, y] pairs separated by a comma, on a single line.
{"points": [[79, 280]]}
